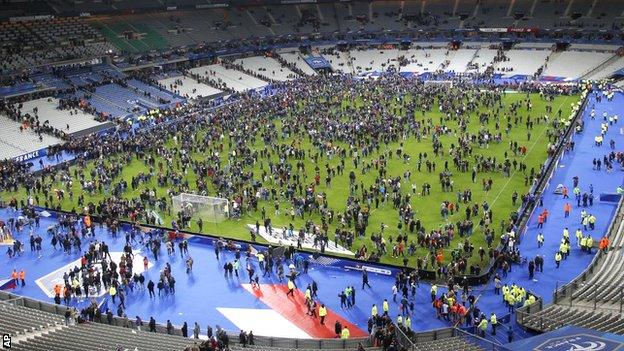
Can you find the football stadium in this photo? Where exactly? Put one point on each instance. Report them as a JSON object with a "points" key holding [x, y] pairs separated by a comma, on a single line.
{"points": [[311, 175]]}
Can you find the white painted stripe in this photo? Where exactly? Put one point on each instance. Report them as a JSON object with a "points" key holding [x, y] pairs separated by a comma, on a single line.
{"points": [[47, 282], [263, 322]]}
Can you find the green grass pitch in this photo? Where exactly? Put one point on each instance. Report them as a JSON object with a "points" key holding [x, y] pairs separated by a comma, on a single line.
{"points": [[427, 208]]}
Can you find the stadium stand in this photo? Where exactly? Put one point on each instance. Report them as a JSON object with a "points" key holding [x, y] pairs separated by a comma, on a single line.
{"points": [[574, 64], [425, 60], [153, 92], [267, 68], [556, 316], [69, 121], [153, 30], [598, 289], [522, 62], [340, 61], [443, 339], [39, 326], [296, 61], [106, 108], [458, 60], [452, 343], [367, 60], [17, 140], [31, 43], [188, 87], [125, 98], [101, 337], [228, 77], [606, 69], [19, 320], [129, 35], [483, 58]]}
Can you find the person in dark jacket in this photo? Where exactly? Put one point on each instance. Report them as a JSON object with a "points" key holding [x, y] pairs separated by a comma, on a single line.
{"points": [[152, 325], [242, 338], [250, 338], [185, 330], [109, 316], [338, 328]]}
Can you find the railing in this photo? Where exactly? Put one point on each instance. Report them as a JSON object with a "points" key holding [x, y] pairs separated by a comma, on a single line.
{"points": [[290, 343], [479, 341], [615, 303], [525, 311], [403, 339], [411, 341], [524, 211], [537, 322], [566, 294], [537, 188]]}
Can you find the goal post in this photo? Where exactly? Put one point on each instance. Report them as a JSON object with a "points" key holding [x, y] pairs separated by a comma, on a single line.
{"points": [[209, 209]]}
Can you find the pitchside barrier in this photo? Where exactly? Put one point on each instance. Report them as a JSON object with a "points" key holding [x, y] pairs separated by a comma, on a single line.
{"points": [[524, 211], [612, 198], [338, 262], [291, 343], [266, 342]]}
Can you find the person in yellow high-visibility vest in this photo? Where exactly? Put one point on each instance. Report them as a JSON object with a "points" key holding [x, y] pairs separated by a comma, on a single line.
{"points": [[308, 294], [483, 324], [385, 307], [579, 236], [511, 302], [345, 333], [494, 323], [112, 292], [408, 323], [374, 311], [322, 313], [592, 221], [590, 243], [563, 249]]}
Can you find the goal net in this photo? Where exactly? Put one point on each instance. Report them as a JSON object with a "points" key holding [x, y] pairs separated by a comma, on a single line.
{"points": [[209, 209]]}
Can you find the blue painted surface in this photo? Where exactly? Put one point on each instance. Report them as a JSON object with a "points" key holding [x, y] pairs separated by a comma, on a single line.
{"points": [[199, 294]]}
